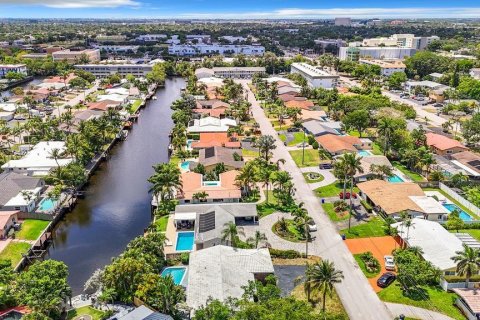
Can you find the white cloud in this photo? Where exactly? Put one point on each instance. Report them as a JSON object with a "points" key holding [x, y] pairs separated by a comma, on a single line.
{"points": [[74, 3]]}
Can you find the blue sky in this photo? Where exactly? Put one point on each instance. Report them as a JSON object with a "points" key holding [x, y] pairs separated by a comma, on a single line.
{"points": [[238, 9]]}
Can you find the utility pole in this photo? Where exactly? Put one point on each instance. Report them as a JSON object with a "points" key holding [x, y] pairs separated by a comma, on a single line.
{"points": [[303, 147]]}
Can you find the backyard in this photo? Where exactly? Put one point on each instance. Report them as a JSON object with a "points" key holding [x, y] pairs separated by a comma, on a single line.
{"points": [[372, 228], [412, 175], [454, 201], [31, 229], [312, 157], [78, 313], [161, 223], [13, 251]]}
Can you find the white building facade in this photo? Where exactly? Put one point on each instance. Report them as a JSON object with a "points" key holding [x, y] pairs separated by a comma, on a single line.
{"points": [[18, 68], [315, 77], [207, 49]]}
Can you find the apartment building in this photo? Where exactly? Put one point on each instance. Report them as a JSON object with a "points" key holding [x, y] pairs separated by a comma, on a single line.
{"points": [[237, 72], [388, 53], [18, 68], [387, 67], [151, 37], [315, 77], [117, 48], [206, 49], [401, 41], [104, 70], [93, 55]]}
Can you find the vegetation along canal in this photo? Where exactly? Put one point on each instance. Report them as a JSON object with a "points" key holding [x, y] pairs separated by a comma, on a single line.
{"points": [[116, 207]]}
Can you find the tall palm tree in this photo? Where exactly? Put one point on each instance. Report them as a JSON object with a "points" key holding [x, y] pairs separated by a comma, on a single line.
{"points": [[385, 128], [468, 262], [231, 232], [302, 219], [246, 177], [258, 239], [165, 179], [321, 277], [265, 145], [265, 175], [353, 165]]}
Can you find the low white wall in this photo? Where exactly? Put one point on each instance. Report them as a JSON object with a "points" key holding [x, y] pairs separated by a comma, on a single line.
{"points": [[460, 199]]}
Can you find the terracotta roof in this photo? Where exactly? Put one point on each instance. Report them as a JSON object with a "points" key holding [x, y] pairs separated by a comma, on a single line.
{"points": [[392, 197], [5, 217], [303, 104], [70, 77], [103, 105], [334, 144], [471, 298], [215, 139], [193, 183], [443, 143], [289, 97]]}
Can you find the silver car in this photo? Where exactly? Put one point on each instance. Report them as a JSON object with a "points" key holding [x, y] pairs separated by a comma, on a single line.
{"points": [[389, 263]]}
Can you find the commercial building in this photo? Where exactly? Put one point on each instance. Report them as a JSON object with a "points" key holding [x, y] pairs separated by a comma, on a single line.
{"points": [[92, 55], [233, 39], [208, 49], [237, 72], [17, 68], [117, 48], [151, 37], [347, 22], [389, 53], [315, 77], [387, 67], [104, 70], [329, 45], [401, 41], [35, 56]]}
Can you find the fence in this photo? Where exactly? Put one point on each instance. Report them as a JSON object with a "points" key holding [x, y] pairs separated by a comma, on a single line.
{"points": [[464, 202]]}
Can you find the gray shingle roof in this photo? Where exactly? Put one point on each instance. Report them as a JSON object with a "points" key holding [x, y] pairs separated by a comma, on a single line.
{"points": [[12, 183], [213, 155]]}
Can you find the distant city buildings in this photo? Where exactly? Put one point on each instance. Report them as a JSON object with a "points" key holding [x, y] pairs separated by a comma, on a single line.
{"points": [[401, 41], [347, 22], [117, 48], [315, 77], [18, 68], [151, 37], [207, 49], [92, 55], [232, 39], [389, 53], [329, 45], [105, 70], [110, 38]]}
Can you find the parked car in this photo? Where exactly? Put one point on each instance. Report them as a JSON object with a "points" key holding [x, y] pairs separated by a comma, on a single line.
{"points": [[386, 279], [438, 105], [293, 129], [324, 166], [404, 96], [347, 195], [19, 117], [389, 263], [312, 226]]}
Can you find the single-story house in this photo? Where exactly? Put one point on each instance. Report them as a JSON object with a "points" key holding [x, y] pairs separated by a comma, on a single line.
{"points": [[216, 139], [12, 185], [7, 220], [221, 272], [366, 162], [468, 161], [469, 302], [209, 220], [337, 145], [294, 91], [211, 156], [317, 128], [223, 190], [213, 108], [442, 145], [211, 124], [103, 105], [392, 199], [290, 97], [302, 104], [437, 244]]}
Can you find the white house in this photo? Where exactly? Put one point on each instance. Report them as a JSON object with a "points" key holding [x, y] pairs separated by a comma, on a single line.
{"points": [[18, 68], [206, 49], [211, 124], [387, 67], [315, 77]]}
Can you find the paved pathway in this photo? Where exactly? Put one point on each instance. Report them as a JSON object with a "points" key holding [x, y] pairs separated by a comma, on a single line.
{"points": [[414, 312], [328, 176]]}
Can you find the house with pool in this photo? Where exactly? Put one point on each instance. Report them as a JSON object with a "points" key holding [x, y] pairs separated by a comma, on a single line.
{"points": [[223, 190], [368, 163], [211, 156], [211, 124], [391, 199], [214, 139], [19, 192]]}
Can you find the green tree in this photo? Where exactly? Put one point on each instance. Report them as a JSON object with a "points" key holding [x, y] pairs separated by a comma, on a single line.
{"points": [[358, 119], [258, 239], [396, 80], [165, 180], [321, 277], [231, 232], [468, 262], [161, 293]]}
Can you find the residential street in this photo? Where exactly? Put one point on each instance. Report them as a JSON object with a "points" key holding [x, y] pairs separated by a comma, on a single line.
{"points": [[356, 294]]}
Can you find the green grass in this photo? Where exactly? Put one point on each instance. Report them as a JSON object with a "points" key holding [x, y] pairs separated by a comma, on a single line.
{"points": [[31, 229], [307, 178], [376, 149], [372, 228], [250, 153], [292, 233], [13, 252], [136, 104], [332, 190], [175, 160], [87, 310], [454, 201], [475, 233], [264, 208], [412, 175], [312, 157], [161, 223], [437, 299], [297, 138], [362, 266], [330, 211]]}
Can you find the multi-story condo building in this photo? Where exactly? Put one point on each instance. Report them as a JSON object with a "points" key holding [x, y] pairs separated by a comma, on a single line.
{"points": [[93, 55], [117, 48], [389, 53], [237, 72], [315, 77], [206, 49], [104, 70], [401, 41], [18, 68]]}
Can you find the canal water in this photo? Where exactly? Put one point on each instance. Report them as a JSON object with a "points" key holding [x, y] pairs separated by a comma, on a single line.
{"points": [[116, 207]]}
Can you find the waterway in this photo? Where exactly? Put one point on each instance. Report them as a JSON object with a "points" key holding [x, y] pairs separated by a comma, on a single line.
{"points": [[116, 207]]}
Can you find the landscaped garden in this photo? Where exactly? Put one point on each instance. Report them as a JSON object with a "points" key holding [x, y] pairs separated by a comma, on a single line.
{"points": [[312, 157], [86, 313], [368, 263], [332, 190], [13, 252], [31, 229], [289, 229], [334, 213], [373, 228], [312, 177], [161, 223], [414, 176]]}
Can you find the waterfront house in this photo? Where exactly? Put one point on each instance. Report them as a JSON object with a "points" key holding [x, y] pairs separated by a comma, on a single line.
{"points": [[216, 139], [211, 156], [103, 105], [39, 160], [19, 192], [213, 108], [221, 272], [444, 146], [391, 199], [211, 124], [223, 190]]}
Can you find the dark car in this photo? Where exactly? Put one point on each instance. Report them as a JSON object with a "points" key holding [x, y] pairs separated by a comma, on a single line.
{"points": [[386, 279]]}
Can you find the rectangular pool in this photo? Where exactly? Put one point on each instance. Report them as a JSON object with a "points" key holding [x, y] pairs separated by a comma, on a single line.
{"points": [[364, 153], [177, 273], [463, 215], [395, 179], [185, 241]]}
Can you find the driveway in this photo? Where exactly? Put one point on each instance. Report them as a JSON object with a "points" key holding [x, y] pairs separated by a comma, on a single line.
{"points": [[356, 294]]}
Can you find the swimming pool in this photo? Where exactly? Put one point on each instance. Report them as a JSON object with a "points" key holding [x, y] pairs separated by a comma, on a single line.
{"points": [[364, 153], [185, 241], [185, 166], [47, 205], [463, 215], [177, 273], [395, 179]]}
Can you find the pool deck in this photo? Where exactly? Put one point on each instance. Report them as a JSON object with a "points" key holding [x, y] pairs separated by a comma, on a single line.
{"points": [[171, 235]]}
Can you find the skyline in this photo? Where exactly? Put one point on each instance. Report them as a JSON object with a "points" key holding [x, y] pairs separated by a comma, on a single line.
{"points": [[248, 9]]}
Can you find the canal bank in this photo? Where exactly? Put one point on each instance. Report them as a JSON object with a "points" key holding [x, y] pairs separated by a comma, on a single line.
{"points": [[116, 207]]}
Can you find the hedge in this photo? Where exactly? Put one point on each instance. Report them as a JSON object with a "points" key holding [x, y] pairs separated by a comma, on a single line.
{"points": [[285, 254], [456, 279], [366, 206]]}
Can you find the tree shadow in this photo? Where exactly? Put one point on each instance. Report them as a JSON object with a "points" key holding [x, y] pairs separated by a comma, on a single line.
{"points": [[416, 293]]}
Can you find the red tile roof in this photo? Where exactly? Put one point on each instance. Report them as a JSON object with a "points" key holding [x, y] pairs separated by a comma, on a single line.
{"points": [[443, 143]]}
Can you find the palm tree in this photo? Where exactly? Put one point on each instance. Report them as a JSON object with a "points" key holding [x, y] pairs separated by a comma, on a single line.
{"points": [[265, 145], [230, 233], [257, 239], [385, 127], [55, 154], [321, 277], [165, 179], [246, 177], [265, 176], [302, 219], [353, 164], [468, 262]]}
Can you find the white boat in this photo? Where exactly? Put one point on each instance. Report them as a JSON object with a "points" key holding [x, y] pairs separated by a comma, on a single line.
{"points": [[154, 98]]}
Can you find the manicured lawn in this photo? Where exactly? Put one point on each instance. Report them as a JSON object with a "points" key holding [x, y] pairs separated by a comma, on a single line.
{"points": [[312, 157], [372, 228], [330, 211], [306, 175], [13, 252], [364, 268], [297, 138], [475, 233], [376, 149], [87, 310], [161, 223], [436, 299], [31, 229], [264, 208], [249, 153], [332, 190], [454, 201], [292, 233], [136, 104], [412, 175]]}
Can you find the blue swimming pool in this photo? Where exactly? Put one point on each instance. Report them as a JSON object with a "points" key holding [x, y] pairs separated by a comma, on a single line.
{"points": [[463, 215], [395, 179], [177, 273], [185, 166], [364, 153], [185, 241], [47, 204]]}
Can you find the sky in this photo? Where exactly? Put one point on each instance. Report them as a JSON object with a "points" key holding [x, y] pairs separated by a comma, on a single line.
{"points": [[243, 9]]}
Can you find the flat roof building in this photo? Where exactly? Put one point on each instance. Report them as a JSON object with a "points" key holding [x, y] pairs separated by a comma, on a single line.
{"points": [[92, 55], [105, 70], [387, 67], [237, 72], [315, 77], [388, 53], [17, 68]]}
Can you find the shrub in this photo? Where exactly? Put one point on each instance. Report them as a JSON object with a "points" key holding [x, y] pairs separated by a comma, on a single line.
{"points": [[371, 263], [456, 279], [315, 145], [285, 254], [311, 139], [184, 257], [366, 206]]}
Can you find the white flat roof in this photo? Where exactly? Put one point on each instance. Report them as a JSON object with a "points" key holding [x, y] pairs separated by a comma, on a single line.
{"points": [[429, 204], [438, 245], [312, 71], [185, 216]]}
